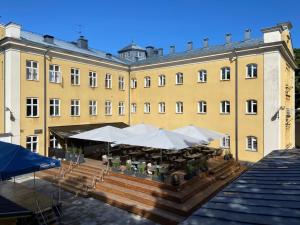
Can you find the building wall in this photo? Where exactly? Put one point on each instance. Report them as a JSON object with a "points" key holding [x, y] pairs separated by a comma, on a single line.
{"points": [[213, 92], [65, 92]]}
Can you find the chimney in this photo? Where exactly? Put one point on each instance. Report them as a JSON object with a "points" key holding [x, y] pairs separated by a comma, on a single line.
{"points": [[172, 49], [82, 42], [247, 35], [228, 39], [108, 55], [160, 52], [12, 30], [149, 50], [190, 46], [205, 43], [48, 39]]}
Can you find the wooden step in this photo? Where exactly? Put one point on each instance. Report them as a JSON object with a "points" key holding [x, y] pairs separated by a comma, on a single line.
{"points": [[221, 167], [74, 190], [158, 215], [142, 198], [154, 191]]}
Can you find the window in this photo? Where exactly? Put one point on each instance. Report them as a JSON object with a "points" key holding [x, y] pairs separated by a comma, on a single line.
{"points": [[121, 108], [133, 107], [121, 83], [225, 73], [108, 83], [202, 107], [54, 107], [179, 78], [54, 73], [251, 143], [75, 107], [53, 142], [161, 107], [161, 80], [93, 79], [75, 77], [225, 107], [147, 82], [31, 70], [251, 106], [133, 83], [108, 108], [32, 143], [225, 142], [32, 107], [202, 76], [251, 71], [93, 108], [179, 107], [147, 107]]}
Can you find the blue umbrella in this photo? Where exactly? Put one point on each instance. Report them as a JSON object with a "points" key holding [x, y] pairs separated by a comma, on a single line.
{"points": [[16, 160]]}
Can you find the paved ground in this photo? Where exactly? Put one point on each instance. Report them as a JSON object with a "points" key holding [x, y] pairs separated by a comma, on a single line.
{"points": [[86, 211]]}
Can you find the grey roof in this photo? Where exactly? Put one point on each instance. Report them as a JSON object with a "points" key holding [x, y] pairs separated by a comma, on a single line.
{"points": [[202, 51], [132, 46], [39, 39], [268, 193]]}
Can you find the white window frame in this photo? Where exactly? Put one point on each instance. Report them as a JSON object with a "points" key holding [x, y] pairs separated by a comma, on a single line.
{"points": [[133, 83], [253, 71], [121, 83], [32, 140], [32, 105], [202, 107], [161, 80], [108, 108], [54, 142], [162, 107], [147, 82], [55, 74], [93, 108], [75, 76], [121, 108], [133, 107], [179, 78], [253, 104], [147, 107], [179, 107], [225, 73], [202, 76], [93, 79], [32, 73], [226, 104], [225, 142], [55, 104], [251, 143], [108, 81], [75, 105]]}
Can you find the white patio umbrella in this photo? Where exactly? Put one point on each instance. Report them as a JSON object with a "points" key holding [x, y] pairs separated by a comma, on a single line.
{"points": [[107, 134], [161, 139], [141, 128], [199, 133]]}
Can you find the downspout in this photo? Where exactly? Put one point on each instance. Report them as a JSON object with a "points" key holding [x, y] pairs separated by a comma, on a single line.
{"points": [[129, 96], [236, 108], [45, 102], [4, 90]]}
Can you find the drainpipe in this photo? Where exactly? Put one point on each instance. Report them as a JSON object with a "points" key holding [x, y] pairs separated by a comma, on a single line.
{"points": [[236, 107], [4, 97], [129, 96], [45, 102]]}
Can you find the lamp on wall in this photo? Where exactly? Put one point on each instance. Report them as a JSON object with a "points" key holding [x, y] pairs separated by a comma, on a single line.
{"points": [[12, 118]]}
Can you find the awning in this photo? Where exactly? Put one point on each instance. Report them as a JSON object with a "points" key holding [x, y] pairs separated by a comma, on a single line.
{"points": [[16, 160], [67, 131], [9, 209]]}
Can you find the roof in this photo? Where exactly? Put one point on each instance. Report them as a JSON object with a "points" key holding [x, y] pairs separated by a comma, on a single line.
{"points": [[132, 46], [10, 209], [268, 193], [202, 51], [65, 45], [67, 131]]}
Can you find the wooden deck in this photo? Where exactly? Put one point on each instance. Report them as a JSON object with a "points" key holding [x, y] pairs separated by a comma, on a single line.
{"points": [[162, 203]]}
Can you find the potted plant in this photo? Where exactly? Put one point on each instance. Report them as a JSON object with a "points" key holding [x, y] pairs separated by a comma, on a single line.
{"points": [[228, 155], [69, 154], [189, 171]]}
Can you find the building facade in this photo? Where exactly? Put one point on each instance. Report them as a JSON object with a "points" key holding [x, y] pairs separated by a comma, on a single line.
{"points": [[243, 89]]}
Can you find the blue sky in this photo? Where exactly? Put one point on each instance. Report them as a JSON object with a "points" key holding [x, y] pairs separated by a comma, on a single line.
{"points": [[111, 24]]}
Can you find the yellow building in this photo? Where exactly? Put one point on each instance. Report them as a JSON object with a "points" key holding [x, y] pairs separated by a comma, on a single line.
{"points": [[244, 89]]}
